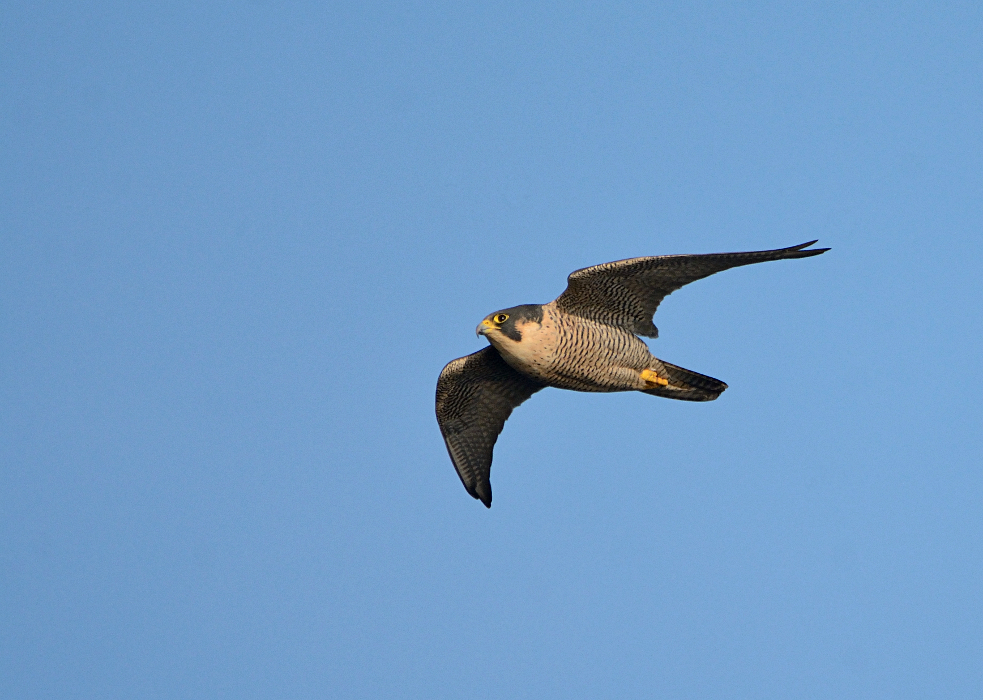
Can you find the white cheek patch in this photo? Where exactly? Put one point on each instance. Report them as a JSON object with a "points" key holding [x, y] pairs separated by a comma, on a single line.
{"points": [[536, 347]]}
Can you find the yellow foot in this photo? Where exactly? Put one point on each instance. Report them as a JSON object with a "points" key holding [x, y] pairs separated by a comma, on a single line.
{"points": [[652, 379]]}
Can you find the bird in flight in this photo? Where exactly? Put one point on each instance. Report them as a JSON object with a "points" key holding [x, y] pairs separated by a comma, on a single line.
{"points": [[585, 340]]}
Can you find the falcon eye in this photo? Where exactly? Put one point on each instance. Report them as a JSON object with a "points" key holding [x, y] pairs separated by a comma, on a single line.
{"points": [[501, 318]]}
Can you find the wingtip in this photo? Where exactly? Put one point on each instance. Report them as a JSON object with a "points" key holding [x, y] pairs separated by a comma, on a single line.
{"points": [[799, 251], [483, 493], [803, 245]]}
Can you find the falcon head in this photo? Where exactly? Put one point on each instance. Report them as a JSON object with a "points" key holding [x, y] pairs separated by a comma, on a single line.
{"points": [[509, 322]]}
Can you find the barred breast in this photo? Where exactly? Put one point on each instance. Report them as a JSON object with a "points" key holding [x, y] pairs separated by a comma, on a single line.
{"points": [[571, 352]]}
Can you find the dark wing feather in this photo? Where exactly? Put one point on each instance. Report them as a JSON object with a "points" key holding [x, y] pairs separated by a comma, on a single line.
{"points": [[626, 293], [475, 396]]}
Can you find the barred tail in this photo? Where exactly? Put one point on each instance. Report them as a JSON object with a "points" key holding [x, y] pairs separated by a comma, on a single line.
{"points": [[687, 385]]}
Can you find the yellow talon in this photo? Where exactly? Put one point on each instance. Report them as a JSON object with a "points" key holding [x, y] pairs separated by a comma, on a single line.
{"points": [[650, 377]]}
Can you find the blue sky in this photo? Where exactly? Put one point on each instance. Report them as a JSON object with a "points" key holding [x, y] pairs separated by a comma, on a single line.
{"points": [[238, 242]]}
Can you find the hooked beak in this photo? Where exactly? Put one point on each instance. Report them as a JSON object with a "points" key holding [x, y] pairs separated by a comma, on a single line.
{"points": [[484, 327]]}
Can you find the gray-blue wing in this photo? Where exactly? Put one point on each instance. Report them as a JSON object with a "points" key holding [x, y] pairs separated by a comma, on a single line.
{"points": [[626, 293], [475, 396]]}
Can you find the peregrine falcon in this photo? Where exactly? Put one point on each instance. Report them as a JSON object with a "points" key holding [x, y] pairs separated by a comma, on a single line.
{"points": [[585, 340]]}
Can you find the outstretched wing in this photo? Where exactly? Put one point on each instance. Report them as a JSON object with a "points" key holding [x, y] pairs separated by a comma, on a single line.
{"points": [[475, 396], [626, 293]]}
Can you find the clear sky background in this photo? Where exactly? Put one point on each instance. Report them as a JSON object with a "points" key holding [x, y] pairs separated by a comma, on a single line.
{"points": [[239, 241]]}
